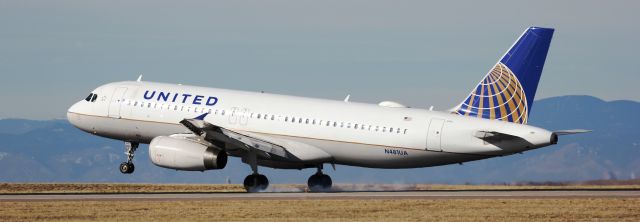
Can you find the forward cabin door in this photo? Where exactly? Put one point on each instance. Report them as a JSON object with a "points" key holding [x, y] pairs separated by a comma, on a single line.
{"points": [[435, 134], [116, 101]]}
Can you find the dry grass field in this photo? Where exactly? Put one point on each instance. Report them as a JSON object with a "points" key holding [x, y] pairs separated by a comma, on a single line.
{"points": [[388, 209], [56, 188], [604, 209]]}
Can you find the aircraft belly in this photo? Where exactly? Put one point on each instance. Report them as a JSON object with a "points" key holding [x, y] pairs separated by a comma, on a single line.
{"points": [[366, 155]]}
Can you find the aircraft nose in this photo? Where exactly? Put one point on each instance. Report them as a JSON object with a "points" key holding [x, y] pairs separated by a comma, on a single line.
{"points": [[74, 108], [73, 114]]}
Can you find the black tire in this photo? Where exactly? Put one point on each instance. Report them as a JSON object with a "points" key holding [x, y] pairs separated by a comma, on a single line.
{"points": [[124, 168], [263, 182], [131, 168], [319, 183], [325, 182], [255, 183]]}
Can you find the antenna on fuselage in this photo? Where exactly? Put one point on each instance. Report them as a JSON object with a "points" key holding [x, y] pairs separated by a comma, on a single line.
{"points": [[347, 98], [139, 78]]}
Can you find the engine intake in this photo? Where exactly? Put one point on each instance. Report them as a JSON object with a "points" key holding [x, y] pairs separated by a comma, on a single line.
{"points": [[183, 154]]}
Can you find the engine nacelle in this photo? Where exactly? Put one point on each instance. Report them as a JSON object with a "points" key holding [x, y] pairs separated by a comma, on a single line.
{"points": [[183, 154]]}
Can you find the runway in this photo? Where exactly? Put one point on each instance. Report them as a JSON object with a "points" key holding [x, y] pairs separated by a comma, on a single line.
{"points": [[517, 194]]}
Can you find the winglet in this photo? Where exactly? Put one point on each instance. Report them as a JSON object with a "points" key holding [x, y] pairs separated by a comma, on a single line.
{"points": [[201, 117]]}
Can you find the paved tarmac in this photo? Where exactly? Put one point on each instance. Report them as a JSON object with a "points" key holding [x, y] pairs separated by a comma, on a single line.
{"points": [[502, 194]]}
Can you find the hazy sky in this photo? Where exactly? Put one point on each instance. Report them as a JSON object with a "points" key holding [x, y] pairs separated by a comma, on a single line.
{"points": [[53, 53]]}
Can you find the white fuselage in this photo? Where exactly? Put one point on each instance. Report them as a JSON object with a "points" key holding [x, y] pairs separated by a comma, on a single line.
{"points": [[348, 133]]}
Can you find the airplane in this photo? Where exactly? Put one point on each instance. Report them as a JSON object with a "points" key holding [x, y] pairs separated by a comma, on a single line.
{"points": [[194, 128]]}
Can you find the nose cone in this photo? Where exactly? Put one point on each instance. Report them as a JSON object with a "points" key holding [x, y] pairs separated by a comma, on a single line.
{"points": [[75, 108], [74, 115]]}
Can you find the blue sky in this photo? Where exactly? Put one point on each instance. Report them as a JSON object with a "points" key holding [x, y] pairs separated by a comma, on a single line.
{"points": [[52, 53]]}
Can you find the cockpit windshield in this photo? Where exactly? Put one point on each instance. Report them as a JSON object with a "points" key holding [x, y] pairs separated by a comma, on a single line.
{"points": [[88, 99], [91, 98]]}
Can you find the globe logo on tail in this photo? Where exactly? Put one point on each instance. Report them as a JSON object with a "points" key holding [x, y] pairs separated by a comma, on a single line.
{"points": [[499, 96]]}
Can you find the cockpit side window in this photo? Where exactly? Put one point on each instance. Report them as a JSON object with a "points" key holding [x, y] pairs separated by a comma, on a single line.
{"points": [[88, 99], [95, 96]]}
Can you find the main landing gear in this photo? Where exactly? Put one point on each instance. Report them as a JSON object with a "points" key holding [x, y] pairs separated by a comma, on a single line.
{"points": [[319, 182], [255, 182], [128, 167]]}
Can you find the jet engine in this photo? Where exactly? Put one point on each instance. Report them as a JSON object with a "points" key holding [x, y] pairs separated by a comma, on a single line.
{"points": [[185, 154]]}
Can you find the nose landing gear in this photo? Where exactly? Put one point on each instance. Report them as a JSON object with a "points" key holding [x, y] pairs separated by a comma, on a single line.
{"points": [[128, 167]]}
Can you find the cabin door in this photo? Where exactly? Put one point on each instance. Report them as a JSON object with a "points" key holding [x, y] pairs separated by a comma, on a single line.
{"points": [[116, 102]]}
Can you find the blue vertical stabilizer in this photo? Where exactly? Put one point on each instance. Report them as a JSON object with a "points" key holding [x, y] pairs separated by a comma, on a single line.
{"points": [[506, 93]]}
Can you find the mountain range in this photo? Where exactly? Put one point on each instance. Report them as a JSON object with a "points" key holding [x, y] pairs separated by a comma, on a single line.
{"points": [[55, 151]]}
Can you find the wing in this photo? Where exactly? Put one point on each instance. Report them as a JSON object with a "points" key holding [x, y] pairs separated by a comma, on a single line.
{"points": [[267, 146], [211, 132]]}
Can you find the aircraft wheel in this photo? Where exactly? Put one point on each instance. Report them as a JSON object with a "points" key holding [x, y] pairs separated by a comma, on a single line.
{"points": [[256, 183], [319, 183], [126, 168]]}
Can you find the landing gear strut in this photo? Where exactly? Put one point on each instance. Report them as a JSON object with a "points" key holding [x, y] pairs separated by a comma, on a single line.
{"points": [[128, 167], [255, 182], [319, 182]]}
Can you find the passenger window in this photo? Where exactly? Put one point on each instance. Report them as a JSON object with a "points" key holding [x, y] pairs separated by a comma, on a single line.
{"points": [[135, 103], [265, 116], [349, 125], [306, 121], [377, 128], [391, 129], [222, 113], [148, 105], [341, 124], [286, 119], [335, 124], [299, 120], [259, 115], [273, 117], [384, 129], [405, 131]]}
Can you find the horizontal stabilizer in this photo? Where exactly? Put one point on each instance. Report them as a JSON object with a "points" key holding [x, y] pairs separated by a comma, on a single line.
{"points": [[493, 136], [569, 132]]}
